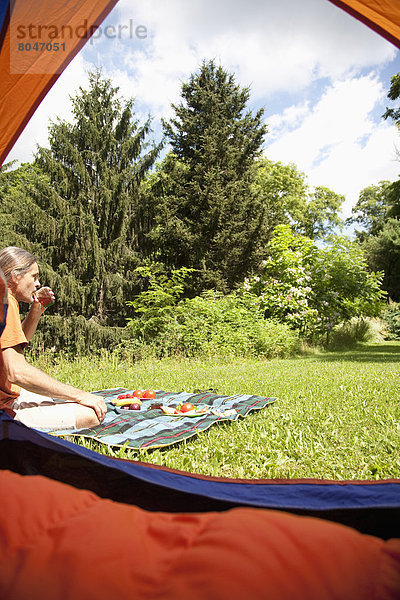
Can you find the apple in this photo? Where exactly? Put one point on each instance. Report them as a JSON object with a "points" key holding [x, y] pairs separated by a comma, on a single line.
{"points": [[149, 394], [134, 406], [46, 301], [137, 394], [46, 297]]}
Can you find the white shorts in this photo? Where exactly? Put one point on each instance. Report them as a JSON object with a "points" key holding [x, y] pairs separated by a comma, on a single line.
{"points": [[43, 412]]}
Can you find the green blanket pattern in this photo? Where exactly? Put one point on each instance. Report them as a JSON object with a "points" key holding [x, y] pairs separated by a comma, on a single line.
{"points": [[150, 428]]}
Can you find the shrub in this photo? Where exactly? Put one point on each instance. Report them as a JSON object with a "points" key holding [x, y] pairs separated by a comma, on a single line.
{"points": [[210, 324], [311, 288], [358, 329], [391, 318]]}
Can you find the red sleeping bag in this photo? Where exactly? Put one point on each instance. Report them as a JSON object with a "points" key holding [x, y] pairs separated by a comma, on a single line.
{"points": [[58, 542]]}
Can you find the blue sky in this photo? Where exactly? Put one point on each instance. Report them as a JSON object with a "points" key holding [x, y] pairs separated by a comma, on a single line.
{"points": [[320, 75]]}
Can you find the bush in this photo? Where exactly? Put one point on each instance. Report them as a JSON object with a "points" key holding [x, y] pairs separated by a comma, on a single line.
{"points": [[311, 288], [357, 329], [391, 318], [211, 324]]}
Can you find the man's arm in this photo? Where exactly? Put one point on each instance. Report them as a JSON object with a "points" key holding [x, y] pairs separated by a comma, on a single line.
{"points": [[30, 323], [21, 373]]}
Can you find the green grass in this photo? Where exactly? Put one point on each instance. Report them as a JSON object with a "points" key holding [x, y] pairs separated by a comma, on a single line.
{"points": [[337, 415]]}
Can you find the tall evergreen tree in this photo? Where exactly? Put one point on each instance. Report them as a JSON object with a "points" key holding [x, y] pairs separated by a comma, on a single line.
{"points": [[209, 216], [89, 198]]}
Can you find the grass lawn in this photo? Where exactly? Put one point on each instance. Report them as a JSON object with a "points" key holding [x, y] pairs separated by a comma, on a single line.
{"points": [[337, 415]]}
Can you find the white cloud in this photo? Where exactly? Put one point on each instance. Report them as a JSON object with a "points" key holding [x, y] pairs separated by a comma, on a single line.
{"points": [[338, 144], [274, 47], [284, 50], [287, 120]]}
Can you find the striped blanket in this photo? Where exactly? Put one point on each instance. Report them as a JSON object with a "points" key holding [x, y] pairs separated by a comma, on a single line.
{"points": [[151, 428]]}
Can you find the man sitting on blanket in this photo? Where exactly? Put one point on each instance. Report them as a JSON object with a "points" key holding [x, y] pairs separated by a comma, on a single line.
{"points": [[26, 393]]}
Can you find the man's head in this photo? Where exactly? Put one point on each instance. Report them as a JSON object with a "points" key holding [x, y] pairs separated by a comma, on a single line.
{"points": [[21, 272]]}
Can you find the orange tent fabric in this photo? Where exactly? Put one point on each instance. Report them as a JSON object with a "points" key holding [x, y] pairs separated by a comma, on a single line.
{"points": [[60, 542], [383, 16], [29, 71]]}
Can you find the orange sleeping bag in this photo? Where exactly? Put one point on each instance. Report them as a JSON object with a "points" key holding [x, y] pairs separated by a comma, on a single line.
{"points": [[58, 542]]}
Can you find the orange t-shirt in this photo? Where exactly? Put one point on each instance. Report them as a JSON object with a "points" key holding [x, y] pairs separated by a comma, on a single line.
{"points": [[12, 335]]}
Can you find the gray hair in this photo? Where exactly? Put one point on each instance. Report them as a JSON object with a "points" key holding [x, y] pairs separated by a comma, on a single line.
{"points": [[15, 261]]}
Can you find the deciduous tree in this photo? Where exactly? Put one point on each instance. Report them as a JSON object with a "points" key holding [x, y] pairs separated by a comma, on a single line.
{"points": [[383, 253], [288, 199], [371, 209], [311, 288]]}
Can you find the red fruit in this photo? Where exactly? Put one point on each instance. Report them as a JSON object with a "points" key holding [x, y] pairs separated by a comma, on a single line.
{"points": [[186, 407], [46, 301], [149, 394], [137, 394], [121, 396], [134, 406], [125, 406]]}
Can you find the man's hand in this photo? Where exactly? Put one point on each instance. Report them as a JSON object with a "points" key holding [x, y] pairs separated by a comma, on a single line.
{"points": [[44, 296], [96, 402], [34, 380]]}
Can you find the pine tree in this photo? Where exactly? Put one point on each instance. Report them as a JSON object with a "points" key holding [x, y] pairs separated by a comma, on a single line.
{"points": [[90, 198], [209, 216]]}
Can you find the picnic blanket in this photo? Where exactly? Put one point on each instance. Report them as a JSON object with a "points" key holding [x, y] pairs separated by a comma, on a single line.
{"points": [[151, 428]]}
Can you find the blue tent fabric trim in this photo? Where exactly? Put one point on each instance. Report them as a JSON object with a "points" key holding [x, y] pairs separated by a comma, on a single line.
{"points": [[3, 11], [4, 19], [370, 506], [3, 322]]}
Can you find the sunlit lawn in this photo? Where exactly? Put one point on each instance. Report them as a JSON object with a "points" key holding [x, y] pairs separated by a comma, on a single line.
{"points": [[337, 415]]}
